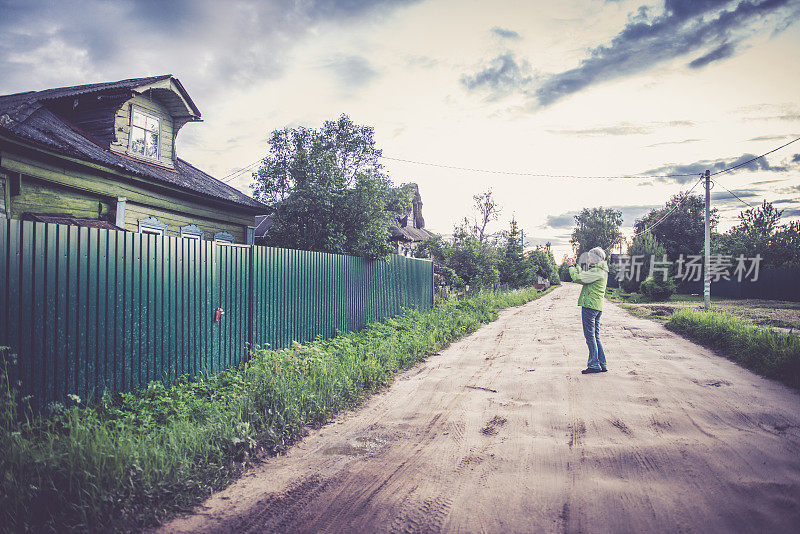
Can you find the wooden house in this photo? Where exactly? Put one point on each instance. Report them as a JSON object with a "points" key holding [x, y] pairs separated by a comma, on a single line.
{"points": [[410, 230], [103, 155]]}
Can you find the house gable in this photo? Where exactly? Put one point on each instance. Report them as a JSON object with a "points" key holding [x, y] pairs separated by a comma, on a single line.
{"points": [[103, 112], [166, 134]]}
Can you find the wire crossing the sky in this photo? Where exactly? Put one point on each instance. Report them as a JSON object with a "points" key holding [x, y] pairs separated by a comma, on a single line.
{"points": [[537, 175], [229, 177], [678, 205], [735, 195]]}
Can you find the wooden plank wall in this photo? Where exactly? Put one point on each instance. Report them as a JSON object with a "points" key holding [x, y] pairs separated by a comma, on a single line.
{"points": [[88, 310]]}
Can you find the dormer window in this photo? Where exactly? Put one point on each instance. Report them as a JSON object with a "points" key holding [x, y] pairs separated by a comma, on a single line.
{"points": [[145, 133]]}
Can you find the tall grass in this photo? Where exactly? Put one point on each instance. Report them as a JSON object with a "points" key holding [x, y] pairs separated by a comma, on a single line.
{"points": [[132, 459], [765, 351]]}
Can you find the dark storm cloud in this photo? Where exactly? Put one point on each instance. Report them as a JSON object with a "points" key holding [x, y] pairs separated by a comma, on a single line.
{"points": [[694, 169], [502, 76], [722, 52], [563, 220], [629, 214], [741, 193], [506, 34], [47, 44], [685, 26], [632, 212], [791, 212], [711, 28], [765, 182]]}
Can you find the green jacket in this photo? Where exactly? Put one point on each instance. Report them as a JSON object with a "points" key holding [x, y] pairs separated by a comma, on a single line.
{"points": [[594, 284]]}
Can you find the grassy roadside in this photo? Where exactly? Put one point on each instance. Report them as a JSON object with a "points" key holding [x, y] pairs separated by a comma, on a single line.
{"points": [[761, 312], [765, 351], [131, 460]]}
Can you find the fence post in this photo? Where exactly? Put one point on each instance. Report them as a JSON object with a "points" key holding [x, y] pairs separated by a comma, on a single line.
{"points": [[250, 295]]}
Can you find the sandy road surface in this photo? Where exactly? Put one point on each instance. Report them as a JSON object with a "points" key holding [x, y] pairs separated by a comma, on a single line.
{"points": [[501, 433]]}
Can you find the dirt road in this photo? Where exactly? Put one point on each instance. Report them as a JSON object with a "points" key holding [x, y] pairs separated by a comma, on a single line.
{"points": [[502, 433]]}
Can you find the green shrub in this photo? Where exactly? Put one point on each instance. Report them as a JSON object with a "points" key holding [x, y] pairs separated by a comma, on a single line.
{"points": [[766, 351], [132, 459], [658, 288]]}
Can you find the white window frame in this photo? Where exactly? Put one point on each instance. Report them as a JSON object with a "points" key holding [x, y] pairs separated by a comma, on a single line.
{"points": [[150, 114], [191, 231], [223, 238], [151, 226]]}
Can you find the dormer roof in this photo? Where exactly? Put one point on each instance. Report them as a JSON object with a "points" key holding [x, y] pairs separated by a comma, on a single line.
{"points": [[35, 117], [165, 87]]}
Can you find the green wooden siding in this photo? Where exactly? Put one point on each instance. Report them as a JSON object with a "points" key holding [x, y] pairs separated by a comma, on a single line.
{"points": [[175, 221], [122, 127], [38, 196], [89, 310], [48, 188]]}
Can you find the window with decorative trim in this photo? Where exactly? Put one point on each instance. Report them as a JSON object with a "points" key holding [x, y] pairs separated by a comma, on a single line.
{"points": [[151, 225], [145, 133], [223, 238], [191, 231]]}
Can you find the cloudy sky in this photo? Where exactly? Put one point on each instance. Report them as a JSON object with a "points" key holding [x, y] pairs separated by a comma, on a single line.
{"points": [[569, 87]]}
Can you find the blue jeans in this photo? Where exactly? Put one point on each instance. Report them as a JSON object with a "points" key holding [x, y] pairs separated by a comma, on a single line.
{"points": [[591, 330]]}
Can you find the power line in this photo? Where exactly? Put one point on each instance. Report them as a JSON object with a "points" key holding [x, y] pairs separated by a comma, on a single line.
{"points": [[538, 175], [678, 205], [755, 158], [735, 195], [234, 174]]}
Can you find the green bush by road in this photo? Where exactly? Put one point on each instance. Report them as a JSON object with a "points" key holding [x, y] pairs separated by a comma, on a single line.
{"points": [[130, 460], [765, 351]]}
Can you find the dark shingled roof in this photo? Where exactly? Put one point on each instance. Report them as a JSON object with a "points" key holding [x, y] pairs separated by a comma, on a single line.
{"points": [[408, 233], [26, 116]]}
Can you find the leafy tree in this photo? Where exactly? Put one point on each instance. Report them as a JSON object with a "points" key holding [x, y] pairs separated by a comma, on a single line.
{"points": [[474, 262], [683, 231], [541, 263], [759, 232], [563, 270], [512, 264], [658, 288], [327, 190], [596, 227], [645, 245]]}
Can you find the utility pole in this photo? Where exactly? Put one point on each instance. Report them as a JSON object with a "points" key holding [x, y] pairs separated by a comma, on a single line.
{"points": [[707, 262]]}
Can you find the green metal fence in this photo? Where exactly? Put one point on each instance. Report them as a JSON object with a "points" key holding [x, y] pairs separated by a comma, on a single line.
{"points": [[88, 310]]}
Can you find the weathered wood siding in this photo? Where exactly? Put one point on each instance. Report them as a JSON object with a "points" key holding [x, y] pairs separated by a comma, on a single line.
{"points": [[39, 196], [2, 195], [122, 127], [84, 193], [176, 220]]}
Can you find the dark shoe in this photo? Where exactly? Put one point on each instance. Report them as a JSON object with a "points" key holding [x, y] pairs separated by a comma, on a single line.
{"points": [[604, 370], [589, 371]]}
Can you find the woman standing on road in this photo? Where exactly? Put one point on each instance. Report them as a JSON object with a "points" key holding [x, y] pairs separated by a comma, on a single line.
{"points": [[591, 301]]}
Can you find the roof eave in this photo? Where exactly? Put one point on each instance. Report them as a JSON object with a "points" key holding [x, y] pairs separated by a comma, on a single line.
{"points": [[32, 144]]}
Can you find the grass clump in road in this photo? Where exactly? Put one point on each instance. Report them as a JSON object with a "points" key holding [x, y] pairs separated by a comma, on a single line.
{"points": [[130, 460], [765, 351]]}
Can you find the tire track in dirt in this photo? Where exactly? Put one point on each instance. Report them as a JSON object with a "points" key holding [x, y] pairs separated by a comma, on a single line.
{"points": [[501, 433]]}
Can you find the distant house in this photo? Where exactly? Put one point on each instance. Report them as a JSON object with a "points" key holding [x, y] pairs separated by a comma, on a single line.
{"points": [[103, 155], [410, 230]]}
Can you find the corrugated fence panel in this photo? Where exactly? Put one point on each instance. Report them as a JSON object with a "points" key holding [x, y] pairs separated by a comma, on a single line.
{"points": [[89, 310]]}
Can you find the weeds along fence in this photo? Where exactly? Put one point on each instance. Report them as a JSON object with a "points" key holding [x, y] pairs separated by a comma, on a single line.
{"points": [[87, 310]]}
